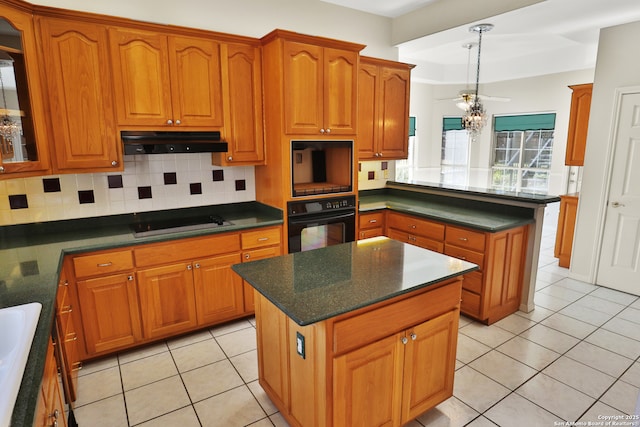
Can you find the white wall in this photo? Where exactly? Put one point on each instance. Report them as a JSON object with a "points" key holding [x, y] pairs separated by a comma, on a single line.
{"points": [[616, 67], [547, 93]]}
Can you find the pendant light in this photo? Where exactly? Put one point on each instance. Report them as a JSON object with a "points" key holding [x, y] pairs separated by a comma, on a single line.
{"points": [[476, 116]]}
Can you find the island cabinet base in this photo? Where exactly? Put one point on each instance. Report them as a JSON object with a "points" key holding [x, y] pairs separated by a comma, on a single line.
{"points": [[381, 365]]}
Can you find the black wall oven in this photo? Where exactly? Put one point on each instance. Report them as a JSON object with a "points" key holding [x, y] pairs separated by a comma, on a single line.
{"points": [[321, 222]]}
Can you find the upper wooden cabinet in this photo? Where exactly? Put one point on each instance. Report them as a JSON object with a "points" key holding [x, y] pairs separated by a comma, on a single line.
{"points": [[242, 86], [383, 109], [23, 149], [320, 89], [80, 92], [317, 80], [165, 80], [578, 124]]}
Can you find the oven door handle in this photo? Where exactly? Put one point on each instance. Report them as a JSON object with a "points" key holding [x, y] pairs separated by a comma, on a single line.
{"points": [[320, 217]]}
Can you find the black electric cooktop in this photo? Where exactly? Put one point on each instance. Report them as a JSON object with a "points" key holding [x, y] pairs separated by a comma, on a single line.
{"points": [[156, 227]]}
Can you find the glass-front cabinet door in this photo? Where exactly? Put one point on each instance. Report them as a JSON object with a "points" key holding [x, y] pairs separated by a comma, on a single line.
{"points": [[22, 147]]}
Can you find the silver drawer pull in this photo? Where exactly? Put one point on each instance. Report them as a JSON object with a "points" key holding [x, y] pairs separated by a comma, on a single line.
{"points": [[66, 310], [373, 221], [106, 264], [263, 239], [464, 239]]}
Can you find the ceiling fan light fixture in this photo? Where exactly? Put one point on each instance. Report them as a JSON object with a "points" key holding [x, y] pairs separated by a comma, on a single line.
{"points": [[476, 115]]}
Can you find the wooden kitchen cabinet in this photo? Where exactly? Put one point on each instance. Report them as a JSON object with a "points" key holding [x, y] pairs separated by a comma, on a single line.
{"points": [[380, 365], [566, 229], [69, 338], [219, 291], [242, 85], [166, 80], [371, 224], [494, 290], [167, 299], [50, 407], [26, 154], [317, 81], [417, 231], [383, 109], [79, 85], [396, 379], [578, 124], [110, 312]]}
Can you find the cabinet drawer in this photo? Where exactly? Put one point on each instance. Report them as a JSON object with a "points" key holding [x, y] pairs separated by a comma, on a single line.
{"points": [[413, 225], [261, 237], [462, 237], [473, 282], [186, 249], [371, 220], [423, 242], [370, 232], [470, 303], [465, 254], [102, 263], [370, 326]]}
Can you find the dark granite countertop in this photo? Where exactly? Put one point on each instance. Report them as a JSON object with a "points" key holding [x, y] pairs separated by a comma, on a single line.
{"points": [[487, 193], [477, 214], [31, 256], [315, 285]]}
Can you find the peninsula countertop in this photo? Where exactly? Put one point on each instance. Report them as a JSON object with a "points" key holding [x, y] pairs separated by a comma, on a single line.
{"points": [[31, 255], [315, 285]]}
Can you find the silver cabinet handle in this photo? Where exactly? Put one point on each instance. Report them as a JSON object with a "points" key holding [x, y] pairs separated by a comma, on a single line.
{"points": [[263, 239], [404, 340], [114, 163], [230, 158], [247, 256], [463, 239], [130, 278], [413, 337], [189, 267], [169, 122], [321, 130], [105, 264], [197, 265], [178, 122], [328, 131], [617, 205], [373, 221], [1, 169]]}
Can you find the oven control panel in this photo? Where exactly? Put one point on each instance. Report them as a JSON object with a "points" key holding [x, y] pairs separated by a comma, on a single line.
{"points": [[321, 205]]}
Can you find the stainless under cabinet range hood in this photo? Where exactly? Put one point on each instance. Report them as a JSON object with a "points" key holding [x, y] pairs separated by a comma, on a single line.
{"points": [[162, 142]]}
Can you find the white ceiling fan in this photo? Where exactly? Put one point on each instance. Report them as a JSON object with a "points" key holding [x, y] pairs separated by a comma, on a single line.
{"points": [[466, 96]]}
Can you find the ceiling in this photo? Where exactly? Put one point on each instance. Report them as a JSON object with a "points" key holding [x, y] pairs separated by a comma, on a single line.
{"points": [[548, 37]]}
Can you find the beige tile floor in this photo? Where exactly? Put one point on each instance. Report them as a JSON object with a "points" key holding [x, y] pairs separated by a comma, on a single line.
{"points": [[574, 358]]}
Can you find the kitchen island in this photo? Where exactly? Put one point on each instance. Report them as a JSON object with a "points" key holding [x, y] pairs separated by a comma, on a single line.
{"points": [[357, 334]]}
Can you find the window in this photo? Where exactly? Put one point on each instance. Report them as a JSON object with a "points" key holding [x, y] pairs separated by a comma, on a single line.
{"points": [[522, 152], [405, 168], [454, 161]]}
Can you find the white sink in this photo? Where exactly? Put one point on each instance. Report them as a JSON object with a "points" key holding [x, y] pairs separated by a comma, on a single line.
{"points": [[17, 328]]}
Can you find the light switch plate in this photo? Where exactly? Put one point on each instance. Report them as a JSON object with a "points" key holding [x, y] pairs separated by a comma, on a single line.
{"points": [[300, 344]]}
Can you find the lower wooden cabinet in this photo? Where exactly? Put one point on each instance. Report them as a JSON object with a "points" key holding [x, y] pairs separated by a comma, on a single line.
{"points": [[110, 312], [50, 407], [129, 296], [489, 294], [394, 380], [382, 365]]}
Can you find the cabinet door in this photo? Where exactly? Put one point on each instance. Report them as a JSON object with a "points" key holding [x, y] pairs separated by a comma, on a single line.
{"points": [[303, 88], [393, 139], [167, 299], [429, 364], [110, 313], [566, 230], [578, 124], [367, 385], [243, 98], [368, 106], [218, 289], [141, 77], [340, 91], [196, 85], [82, 120]]}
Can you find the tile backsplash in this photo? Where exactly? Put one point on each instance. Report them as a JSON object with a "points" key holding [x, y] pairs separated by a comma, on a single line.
{"points": [[148, 183]]}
